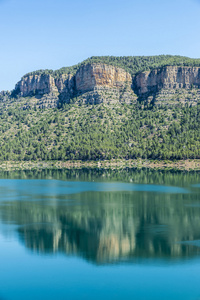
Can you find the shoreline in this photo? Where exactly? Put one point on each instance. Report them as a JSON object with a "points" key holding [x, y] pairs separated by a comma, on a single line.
{"points": [[179, 165]]}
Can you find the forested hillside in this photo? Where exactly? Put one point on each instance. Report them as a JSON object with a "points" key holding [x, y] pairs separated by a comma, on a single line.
{"points": [[97, 114], [98, 132]]}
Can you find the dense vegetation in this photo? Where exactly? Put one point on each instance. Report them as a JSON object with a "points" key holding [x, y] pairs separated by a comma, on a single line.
{"points": [[132, 64], [98, 132]]}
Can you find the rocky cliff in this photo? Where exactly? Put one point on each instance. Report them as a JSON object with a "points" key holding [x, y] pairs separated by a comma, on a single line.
{"points": [[169, 77], [35, 84], [97, 82], [91, 76], [44, 84], [87, 78]]}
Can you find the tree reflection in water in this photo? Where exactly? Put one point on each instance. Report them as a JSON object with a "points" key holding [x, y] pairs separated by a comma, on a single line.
{"points": [[105, 227]]}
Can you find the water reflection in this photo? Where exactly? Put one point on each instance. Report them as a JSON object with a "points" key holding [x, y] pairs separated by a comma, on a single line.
{"points": [[104, 226]]}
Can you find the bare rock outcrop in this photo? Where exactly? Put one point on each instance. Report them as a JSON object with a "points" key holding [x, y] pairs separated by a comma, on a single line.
{"points": [[94, 75], [65, 83], [101, 83], [169, 77], [36, 84], [88, 78]]}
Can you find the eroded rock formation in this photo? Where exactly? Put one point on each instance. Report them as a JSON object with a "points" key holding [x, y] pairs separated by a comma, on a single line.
{"points": [[86, 79], [169, 77], [90, 76], [36, 84], [97, 83]]}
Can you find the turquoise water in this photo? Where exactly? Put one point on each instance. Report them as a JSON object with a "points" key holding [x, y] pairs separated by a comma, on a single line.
{"points": [[94, 234]]}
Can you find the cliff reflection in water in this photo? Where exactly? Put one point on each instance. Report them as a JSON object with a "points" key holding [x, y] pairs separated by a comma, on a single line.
{"points": [[108, 227]]}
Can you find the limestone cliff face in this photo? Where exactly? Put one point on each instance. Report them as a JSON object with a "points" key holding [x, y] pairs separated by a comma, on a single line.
{"points": [[86, 79], [97, 83], [65, 83], [45, 84], [40, 84], [101, 80], [169, 77], [93, 75]]}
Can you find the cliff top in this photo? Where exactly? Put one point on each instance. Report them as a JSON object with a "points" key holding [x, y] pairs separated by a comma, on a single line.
{"points": [[132, 64]]}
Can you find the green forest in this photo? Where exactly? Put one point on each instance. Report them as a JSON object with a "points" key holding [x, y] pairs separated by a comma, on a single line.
{"points": [[99, 132]]}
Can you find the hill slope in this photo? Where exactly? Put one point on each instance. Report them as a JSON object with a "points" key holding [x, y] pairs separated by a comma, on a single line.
{"points": [[104, 108], [90, 132]]}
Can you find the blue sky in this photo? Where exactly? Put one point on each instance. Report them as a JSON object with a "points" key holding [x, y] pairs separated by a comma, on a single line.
{"points": [[43, 34]]}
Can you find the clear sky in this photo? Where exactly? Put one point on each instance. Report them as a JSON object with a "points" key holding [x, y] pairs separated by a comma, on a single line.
{"points": [[50, 34]]}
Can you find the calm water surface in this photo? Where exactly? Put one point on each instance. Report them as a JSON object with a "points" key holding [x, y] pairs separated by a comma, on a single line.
{"points": [[95, 234]]}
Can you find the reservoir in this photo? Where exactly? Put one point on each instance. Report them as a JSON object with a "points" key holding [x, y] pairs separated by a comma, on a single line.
{"points": [[99, 234]]}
